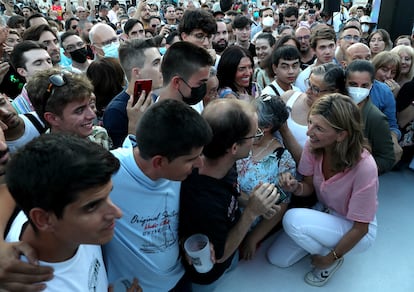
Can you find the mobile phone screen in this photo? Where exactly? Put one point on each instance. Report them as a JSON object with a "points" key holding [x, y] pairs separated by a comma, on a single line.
{"points": [[282, 195], [141, 85]]}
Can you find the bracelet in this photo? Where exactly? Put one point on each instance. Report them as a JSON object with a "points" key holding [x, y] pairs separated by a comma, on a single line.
{"points": [[335, 255]]}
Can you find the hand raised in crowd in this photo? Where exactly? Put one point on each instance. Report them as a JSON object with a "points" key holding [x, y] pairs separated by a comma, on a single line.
{"points": [[4, 68], [164, 31], [135, 112], [262, 200], [16, 275], [7, 49], [393, 85]]}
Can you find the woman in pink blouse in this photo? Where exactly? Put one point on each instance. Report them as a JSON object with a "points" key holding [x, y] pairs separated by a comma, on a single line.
{"points": [[338, 167]]}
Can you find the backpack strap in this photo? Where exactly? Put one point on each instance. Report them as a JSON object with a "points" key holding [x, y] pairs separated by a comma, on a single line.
{"points": [[39, 127], [274, 89], [279, 152]]}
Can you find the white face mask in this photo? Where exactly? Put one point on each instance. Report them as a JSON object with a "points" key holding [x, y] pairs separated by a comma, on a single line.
{"points": [[365, 28], [268, 21], [358, 94]]}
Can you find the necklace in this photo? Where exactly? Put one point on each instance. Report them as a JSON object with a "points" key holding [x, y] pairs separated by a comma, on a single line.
{"points": [[264, 149]]}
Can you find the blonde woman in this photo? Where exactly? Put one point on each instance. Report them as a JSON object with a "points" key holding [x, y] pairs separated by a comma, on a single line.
{"points": [[406, 55], [337, 165]]}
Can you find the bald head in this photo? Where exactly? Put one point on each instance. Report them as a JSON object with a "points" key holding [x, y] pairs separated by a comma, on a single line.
{"points": [[231, 120], [100, 35], [358, 51]]}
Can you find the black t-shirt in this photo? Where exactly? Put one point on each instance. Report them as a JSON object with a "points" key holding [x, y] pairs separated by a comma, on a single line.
{"points": [[12, 83], [304, 65], [209, 206]]}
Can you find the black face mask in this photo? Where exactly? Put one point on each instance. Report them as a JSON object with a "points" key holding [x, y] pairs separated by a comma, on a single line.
{"points": [[79, 55], [197, 94]]}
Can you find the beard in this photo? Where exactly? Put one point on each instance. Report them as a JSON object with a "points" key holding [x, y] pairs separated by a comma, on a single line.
{"points": [[220, 47]]}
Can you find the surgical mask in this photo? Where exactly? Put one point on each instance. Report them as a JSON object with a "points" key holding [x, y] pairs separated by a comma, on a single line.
{"points": [[358, 94], [365, 28], [111, 50], [197, 94], [79, 55], [256, 15], [162, 50], [268, 21]]}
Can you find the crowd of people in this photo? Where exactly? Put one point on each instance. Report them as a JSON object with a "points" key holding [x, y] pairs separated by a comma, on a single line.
{"points": [[260, 118]]}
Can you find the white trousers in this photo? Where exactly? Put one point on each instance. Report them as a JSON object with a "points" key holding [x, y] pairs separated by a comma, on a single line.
{"points": [[310, 231]]}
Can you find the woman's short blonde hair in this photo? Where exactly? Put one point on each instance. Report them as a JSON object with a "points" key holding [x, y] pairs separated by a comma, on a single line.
{"points": [[410, 51], [385, 59]]}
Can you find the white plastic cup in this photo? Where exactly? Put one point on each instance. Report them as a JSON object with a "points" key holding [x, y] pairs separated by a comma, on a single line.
{"points": [[197, 247]]}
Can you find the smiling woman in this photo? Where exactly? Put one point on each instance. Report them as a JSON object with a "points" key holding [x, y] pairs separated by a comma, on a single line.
{"points": [[337, 165], [235, 71]]}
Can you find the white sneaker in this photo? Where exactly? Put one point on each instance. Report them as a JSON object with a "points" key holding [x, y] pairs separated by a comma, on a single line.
{"points": [[318, 277]]}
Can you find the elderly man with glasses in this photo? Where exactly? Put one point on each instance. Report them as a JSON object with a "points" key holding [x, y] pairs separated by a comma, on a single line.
{"points": [[214, 211], [104, 41]]}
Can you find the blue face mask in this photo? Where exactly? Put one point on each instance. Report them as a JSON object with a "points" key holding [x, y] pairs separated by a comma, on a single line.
{"points": [[162, 50], [111, 50], [256, 15]]}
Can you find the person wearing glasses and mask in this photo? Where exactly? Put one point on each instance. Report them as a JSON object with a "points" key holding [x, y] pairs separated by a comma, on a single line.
{"points": [[104, 41], [214, 210]]}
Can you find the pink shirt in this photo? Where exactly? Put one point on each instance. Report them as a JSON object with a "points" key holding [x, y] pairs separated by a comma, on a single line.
{"points": [[352, 193]]}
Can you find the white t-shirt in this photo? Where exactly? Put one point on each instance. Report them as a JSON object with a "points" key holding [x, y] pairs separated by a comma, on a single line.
{"points": [[84, 272], [30, 132]]}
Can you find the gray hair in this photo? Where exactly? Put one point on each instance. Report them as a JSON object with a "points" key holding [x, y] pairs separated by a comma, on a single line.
{"points": [[271, 112]]}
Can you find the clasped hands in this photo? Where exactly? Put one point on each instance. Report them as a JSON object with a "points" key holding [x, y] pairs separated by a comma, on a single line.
{"points": [[262, 200]]}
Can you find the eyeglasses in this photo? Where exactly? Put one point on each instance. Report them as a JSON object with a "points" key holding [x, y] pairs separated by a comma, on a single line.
{"points": [[74, 27], [55, 80], [259, 134], [349, 38], [201, 36], [305, 38], [108, 42], [315, 90]]}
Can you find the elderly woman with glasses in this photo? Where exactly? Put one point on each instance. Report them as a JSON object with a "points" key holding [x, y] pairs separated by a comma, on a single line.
{"points": [[266, 161]]}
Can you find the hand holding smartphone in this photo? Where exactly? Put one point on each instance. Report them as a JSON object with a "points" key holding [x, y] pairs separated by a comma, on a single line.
{"points": [[282, 194], [139, 86]]}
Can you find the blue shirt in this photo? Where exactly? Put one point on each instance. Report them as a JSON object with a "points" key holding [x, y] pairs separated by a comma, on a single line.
{"points": [[383, 98]]}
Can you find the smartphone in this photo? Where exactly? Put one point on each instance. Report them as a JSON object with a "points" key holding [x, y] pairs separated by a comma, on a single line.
{"points": [[282, 195], [140, 85]]}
